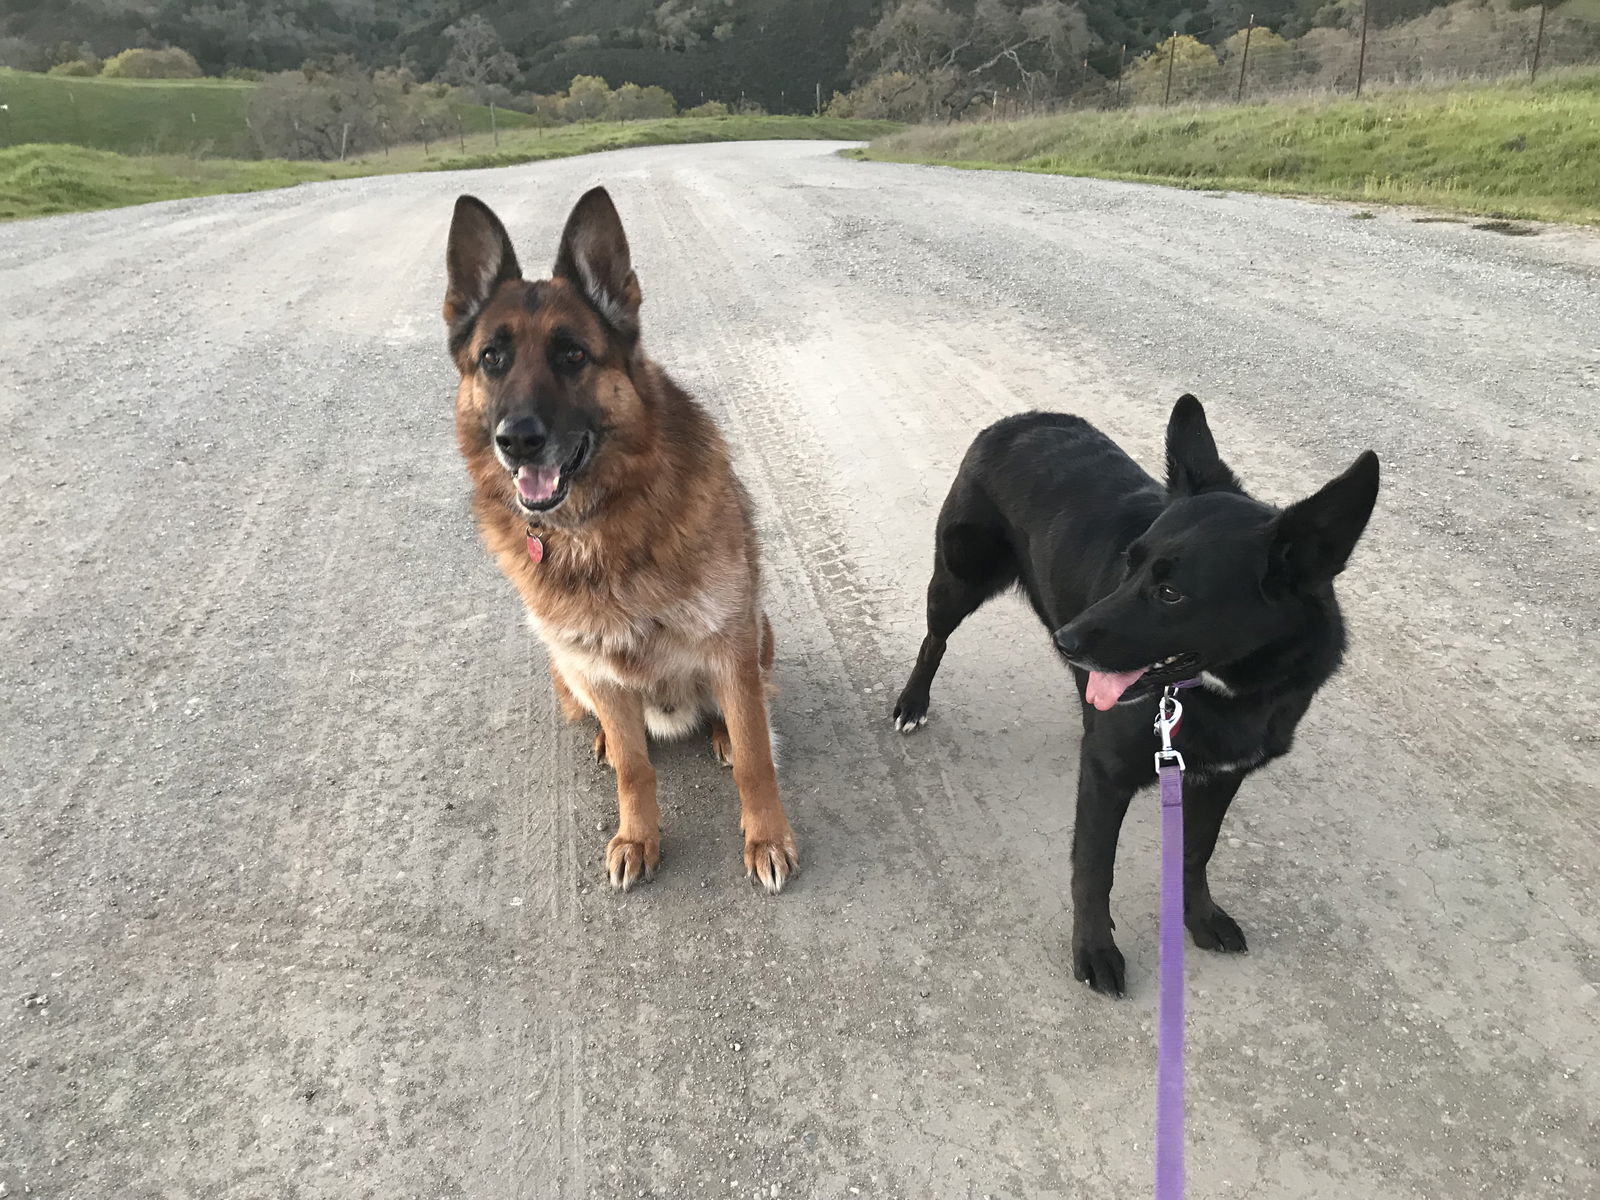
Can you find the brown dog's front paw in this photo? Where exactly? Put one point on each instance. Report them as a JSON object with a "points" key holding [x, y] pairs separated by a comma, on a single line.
{"points": [[770, 861], [630, 858]]}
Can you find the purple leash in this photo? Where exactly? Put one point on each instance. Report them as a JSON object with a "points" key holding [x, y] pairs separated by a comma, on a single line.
{"points": [[1169, 1037]]}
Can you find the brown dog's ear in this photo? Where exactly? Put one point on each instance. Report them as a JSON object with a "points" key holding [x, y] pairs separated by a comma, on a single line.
{"points": [[594, 256], [1313, 538], [479, 259], [1193, 465]]}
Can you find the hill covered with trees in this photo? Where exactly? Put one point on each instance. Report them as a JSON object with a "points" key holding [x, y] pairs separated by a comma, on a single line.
{"points": [[928, 56]]}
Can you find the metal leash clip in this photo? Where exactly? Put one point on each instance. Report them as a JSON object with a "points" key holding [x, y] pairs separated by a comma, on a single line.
{"points": [[1168, 713]]}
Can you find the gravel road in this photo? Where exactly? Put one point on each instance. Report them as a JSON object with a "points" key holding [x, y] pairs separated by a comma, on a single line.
{"points": [[301, 889]]}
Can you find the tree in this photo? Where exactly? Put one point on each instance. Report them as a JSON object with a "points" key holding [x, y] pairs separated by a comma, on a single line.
{"points": [[477, 59], [684, 24], [22, 55], [587, 97], [952, 57], [318, 112]]}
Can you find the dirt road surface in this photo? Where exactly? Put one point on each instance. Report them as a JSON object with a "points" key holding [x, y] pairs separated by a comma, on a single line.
{"points": [[301, 890]]}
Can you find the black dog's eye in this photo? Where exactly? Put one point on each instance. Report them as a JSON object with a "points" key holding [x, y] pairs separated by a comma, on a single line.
{"points": [[1168, 594], [574, 356], [492, 358]]}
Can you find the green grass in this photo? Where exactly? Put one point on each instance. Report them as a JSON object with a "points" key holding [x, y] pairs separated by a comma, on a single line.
{"points": [[37, 180], [1506, 150], [148, 116]]}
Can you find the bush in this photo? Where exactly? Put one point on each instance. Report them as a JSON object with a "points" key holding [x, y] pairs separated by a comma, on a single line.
{"points": [[1190, 64], [171, 63], [77, 68], [711, 108], [244, 74], [890, 96], [633, 103]]}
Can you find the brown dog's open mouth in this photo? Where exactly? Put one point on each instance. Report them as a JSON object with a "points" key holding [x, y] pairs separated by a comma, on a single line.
{"points": [[540, 489], [1106, 689]]}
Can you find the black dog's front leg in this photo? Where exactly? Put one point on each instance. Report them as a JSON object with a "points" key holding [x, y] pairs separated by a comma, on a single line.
{"points": [[1102, 803], [1204, 805]]}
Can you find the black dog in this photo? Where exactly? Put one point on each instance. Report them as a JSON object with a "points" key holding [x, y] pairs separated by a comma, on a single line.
{"points": [[1145, 586]]}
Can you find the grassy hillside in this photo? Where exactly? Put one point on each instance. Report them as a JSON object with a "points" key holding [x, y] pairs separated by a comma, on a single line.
{"points": [[36, 180], [1506, 150], [147, 116]]}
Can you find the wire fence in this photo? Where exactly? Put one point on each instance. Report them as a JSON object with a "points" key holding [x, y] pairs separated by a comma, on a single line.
{"points": [[1255, 63]]}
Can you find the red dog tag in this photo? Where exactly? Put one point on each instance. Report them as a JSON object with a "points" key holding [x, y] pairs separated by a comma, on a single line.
{"points": [[535, 548]]}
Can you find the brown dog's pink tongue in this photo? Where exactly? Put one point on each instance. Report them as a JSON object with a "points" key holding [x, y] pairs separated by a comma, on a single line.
{"points": [[537, 483], [1105, 688]]}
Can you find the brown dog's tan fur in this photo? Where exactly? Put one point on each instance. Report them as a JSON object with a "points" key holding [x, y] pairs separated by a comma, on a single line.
{"points": [[648, 594]]}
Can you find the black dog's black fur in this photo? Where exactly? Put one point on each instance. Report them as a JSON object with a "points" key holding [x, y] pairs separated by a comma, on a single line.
{"points": [[1126, 573]]}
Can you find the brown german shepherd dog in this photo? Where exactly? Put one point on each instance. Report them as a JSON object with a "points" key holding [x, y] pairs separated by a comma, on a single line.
{"points": [[606, 495]]}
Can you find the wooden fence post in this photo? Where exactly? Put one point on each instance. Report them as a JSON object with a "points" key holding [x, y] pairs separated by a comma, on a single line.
{"points": [[1244, 58], [1538, 45], [1361, 62]]}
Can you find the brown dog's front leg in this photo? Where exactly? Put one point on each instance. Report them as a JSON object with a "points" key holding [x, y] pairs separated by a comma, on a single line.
{"points": [[770, 854], [635, 851]]}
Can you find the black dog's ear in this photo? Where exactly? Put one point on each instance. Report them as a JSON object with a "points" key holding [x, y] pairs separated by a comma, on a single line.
{"points": [[1193, 465], [479, 259], [594, 255], [1313, 538]]}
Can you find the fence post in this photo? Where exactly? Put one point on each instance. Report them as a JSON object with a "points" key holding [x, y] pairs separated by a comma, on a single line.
{"points": [[344, 140], [1172, 52], [461, 132], [1538, 45], [1244, 59], [494, 126], [1122, 61], [1361, 62], [819, 97]]}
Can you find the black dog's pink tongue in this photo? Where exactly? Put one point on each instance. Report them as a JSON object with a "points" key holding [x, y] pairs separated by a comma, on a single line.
{"points": [[537, 483], [1106, 688]]}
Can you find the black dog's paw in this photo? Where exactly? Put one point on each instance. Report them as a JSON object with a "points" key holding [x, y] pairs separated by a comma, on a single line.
{"points": [[1101, 966], [911, 711], [1216, 930]]}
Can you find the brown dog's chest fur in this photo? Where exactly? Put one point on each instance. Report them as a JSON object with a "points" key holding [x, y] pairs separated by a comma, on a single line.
{"points": [[660, 572]]}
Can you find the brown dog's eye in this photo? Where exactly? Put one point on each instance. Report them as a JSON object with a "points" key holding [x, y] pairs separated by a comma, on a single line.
{"points": [[574, 356], [492, 358], [1168, 594]]}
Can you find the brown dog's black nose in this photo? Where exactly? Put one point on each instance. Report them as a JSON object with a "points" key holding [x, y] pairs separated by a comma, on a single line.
{"points": [[521, 438]]}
